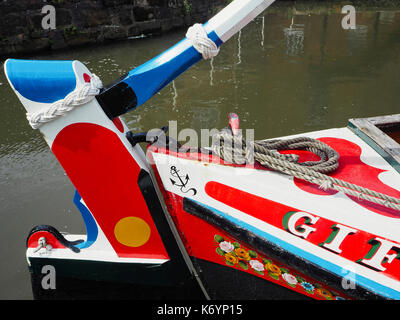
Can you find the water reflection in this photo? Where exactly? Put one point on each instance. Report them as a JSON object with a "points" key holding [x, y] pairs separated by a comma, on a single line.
{"points": [[211, 72], [262, 31], [174, 96], [387, 17], [205, 118], [294, 39], [239, 55], [357, 39]]}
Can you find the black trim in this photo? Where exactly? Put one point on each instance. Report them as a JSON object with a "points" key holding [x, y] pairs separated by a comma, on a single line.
{"points": [[117, 99], [229, 284], [68, 244], [179, 266], [135, 138], [86, 279], [276, 252]]}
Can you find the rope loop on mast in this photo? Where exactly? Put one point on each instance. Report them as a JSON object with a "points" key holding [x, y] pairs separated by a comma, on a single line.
{"points": [[201, 42]]}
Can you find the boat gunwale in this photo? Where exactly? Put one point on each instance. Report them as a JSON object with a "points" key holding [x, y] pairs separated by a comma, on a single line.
{"points": [[370, 130]]}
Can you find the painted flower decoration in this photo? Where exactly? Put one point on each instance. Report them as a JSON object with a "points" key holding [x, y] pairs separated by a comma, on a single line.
{"points": [[257, 265], [307, 286], [274, 269], [325, 293], [226, 246], [289, 278], [235, 254], [231, 258], [242, 254]]}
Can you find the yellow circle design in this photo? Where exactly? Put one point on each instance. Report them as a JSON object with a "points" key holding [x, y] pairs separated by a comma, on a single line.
{"points": [[132, 231]]}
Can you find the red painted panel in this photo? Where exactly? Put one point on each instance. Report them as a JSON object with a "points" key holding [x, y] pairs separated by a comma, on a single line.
{"points": [[353, 170], [118, 124], [50, 239], [105, 175], [354, 246]]}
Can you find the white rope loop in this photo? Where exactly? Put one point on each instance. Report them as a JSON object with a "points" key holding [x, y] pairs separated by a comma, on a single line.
{"points": [[80, 96], [201, 42]]}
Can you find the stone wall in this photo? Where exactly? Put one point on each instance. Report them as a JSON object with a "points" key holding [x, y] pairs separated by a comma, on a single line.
{"points": [[82, 22]]}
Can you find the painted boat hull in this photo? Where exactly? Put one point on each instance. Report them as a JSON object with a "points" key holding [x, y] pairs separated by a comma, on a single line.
{"points": [[233, 222], [251, 208]]}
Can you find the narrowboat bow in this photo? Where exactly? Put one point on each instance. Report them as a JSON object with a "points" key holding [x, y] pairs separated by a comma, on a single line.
{"points": [[312, 215]]}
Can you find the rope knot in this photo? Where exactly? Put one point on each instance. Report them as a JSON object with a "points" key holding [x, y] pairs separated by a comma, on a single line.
{"points": [[201, 42]]}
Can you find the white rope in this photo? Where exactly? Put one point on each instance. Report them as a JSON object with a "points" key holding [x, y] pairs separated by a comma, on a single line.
{"points": [[81, 95], [201, 42]]}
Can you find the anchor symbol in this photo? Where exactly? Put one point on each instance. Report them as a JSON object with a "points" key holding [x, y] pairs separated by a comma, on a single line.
{"points": [[183, 181]]}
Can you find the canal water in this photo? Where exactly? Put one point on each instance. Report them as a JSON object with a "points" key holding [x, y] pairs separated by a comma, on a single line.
{"points": [[292, 70]]}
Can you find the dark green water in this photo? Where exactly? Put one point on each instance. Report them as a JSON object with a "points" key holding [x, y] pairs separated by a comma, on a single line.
{"points": [[289, 71]]}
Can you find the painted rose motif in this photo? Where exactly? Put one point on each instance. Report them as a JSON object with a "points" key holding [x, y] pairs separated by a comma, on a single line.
{"points": [[238, 256], [226, 246], [290, 279], [257, 265]]}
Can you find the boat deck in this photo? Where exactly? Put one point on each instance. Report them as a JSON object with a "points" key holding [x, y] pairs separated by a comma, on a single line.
{"points": [[382, 134]]}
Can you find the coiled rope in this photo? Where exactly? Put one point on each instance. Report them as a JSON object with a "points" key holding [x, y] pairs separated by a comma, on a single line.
{"points": [[81, 95], [236, 150]]}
